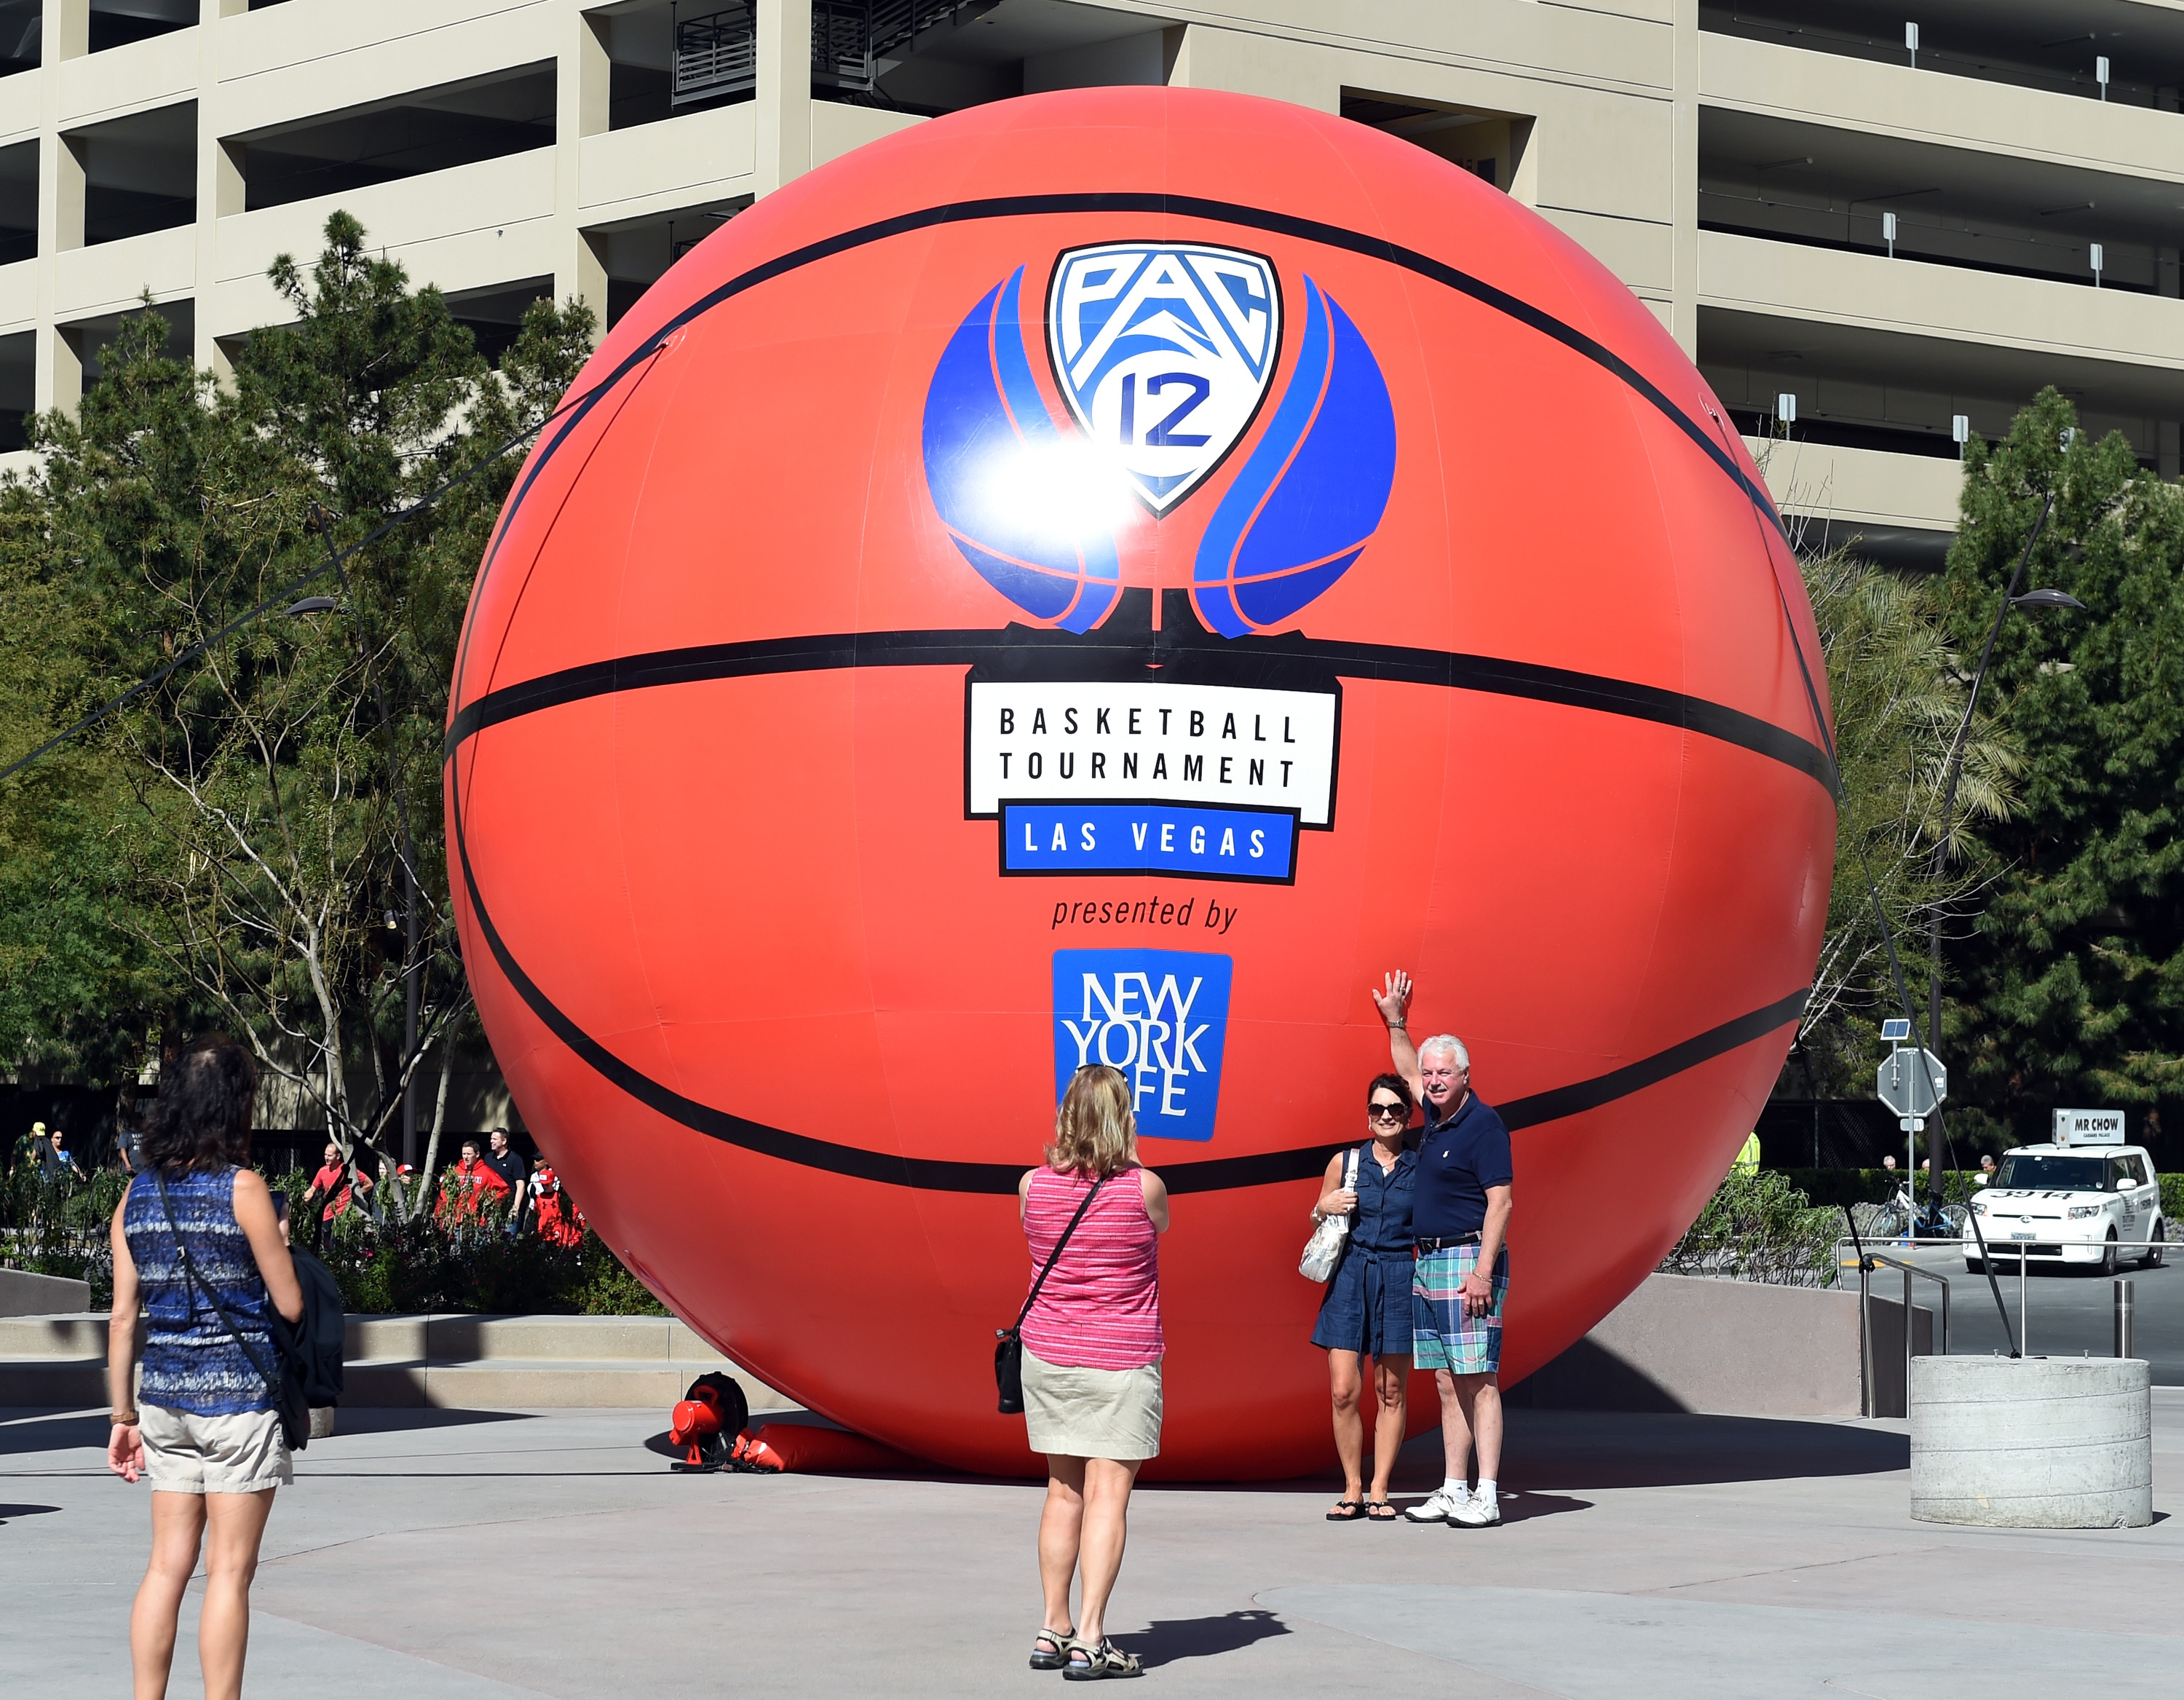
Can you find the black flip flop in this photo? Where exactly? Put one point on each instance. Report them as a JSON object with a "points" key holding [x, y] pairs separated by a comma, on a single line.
{"points": [[1380, 1511], [1347, 1511]]}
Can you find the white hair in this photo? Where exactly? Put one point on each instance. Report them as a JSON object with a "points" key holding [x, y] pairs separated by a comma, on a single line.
{"points": [[1448, 1043]]}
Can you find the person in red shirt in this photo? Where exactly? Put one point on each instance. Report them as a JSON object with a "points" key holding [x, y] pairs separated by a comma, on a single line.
{"points": [[560, 1221], [469, 1187], [336, 1179]]}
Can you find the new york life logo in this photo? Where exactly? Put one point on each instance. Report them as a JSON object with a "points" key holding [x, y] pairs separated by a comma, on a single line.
{"points": [[1161, 1017]]}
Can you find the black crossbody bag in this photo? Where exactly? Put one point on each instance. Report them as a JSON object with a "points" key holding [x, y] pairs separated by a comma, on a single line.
{"points": [[285, 1384], [1008, 1349]]}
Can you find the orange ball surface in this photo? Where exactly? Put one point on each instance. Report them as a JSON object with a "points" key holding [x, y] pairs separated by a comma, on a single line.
{"points": [[1104, 577]]}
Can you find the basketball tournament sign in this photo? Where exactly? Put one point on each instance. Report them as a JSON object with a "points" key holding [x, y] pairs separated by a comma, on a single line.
{"points": [[1163, 353]]}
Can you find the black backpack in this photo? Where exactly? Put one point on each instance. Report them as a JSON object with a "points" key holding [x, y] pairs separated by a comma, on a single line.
{"points": [[312, 1346]]}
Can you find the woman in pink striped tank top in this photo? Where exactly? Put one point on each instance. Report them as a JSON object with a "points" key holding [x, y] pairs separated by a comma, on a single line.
{"points": [[1092, 1351]]}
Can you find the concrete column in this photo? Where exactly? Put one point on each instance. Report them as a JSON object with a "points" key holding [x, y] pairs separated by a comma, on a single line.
{"points": [[784, 91], [2033, 1443], [67, 30], [220, 187], [583, 85], [68, 182], [1684, 178]]}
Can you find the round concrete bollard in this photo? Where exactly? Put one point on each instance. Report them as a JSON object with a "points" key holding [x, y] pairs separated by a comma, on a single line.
{"points": [[322, 1421], [2033, 1443]]}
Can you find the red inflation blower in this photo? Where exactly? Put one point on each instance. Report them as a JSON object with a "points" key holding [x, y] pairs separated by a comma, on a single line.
{"points": [[706, 1422]]}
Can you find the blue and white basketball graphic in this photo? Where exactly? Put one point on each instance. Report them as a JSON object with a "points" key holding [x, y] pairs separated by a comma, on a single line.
{"points": [[1311, 496], [1163, 351], [1012, 489]]}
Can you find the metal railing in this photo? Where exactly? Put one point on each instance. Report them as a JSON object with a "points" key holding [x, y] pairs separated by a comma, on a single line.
{"points": [[717, 54], [1868, 1262], [1998, 1250], [851, 39]]}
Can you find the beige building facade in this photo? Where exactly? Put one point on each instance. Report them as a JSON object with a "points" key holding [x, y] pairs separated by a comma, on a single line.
{"points": [[1909, 231]]}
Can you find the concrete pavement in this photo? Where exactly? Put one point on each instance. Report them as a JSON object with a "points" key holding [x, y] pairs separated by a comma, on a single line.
{"points": [[437, 1555]]}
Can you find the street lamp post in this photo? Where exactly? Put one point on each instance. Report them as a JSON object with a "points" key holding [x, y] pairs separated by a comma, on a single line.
{"points": [[1951, 774]]}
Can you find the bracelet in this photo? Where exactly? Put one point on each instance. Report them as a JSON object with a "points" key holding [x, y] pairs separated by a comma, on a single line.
{"points": [[124, 1420]]}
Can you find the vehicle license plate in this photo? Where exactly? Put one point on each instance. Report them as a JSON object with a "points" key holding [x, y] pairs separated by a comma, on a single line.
{"points": [[2021, 1236]]}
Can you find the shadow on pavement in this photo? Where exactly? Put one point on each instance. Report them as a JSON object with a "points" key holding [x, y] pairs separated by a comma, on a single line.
{"points": [[406, 1418], [1523, 1506], [53, 1431], [1600, 1449], [1170, 1642], [10, 1513]]}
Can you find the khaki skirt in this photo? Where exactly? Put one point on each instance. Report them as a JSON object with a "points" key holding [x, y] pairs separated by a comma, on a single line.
{"points": [[1092, 1413]]}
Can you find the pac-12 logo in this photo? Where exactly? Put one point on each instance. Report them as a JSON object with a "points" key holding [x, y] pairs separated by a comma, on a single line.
{"points": [[1161, 1017], [1162, 353]]}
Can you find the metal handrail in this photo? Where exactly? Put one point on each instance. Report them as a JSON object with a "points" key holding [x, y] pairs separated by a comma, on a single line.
{"points": [[1994, 1251], [1867, 1261]]}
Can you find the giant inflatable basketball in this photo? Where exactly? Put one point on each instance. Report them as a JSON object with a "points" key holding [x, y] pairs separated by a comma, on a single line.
{"points": [[1106, 575]]}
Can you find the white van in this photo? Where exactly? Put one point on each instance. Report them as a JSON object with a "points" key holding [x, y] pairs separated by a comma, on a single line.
{"points": [[2067, 1204]]}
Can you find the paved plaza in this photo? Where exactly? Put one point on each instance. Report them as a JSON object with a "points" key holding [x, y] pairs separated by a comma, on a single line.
{"points": [[439, 1555]]}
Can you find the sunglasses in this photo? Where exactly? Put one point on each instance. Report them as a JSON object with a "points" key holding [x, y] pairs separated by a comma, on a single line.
{"points": [[1387, 1112]]}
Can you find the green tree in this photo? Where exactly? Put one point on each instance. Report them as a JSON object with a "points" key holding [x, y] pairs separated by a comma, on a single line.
{"points": [[262, 803], [1897, 698], [2071, 990], [75, 992]]}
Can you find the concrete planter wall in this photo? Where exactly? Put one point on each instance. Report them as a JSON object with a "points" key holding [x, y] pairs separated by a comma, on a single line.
{"points": [[2033, 1443]]}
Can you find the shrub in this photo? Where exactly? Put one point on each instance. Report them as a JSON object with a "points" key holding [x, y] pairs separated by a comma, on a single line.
{"points": [[381, 1265], [1760, 1228]]}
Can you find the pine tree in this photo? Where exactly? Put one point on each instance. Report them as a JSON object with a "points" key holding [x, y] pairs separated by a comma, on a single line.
{"points": [[2072, 993]]}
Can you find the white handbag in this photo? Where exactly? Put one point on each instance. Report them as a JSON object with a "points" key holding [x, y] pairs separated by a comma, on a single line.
{"points": [[1324, 1249]]}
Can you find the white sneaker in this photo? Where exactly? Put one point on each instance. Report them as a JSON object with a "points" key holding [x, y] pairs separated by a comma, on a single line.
{"points": [[1476, 1512], [1443, 1508]]}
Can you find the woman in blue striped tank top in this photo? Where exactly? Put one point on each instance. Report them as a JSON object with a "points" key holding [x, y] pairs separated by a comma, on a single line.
{"points": [[203, 1426]]}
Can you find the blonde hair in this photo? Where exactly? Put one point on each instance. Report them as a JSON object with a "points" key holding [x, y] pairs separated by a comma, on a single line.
{"points": [[1095, 1127]]}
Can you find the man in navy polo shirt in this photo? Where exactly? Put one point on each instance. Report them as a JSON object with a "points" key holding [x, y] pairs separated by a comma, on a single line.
{"points": [[1460, 1214]]}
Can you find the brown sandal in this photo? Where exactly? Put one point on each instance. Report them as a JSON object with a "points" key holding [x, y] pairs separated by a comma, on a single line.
{"points": [[1062, 1641]]}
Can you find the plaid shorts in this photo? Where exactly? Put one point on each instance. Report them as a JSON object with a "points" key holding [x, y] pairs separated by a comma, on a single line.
{"points": [[1442, 1337]]}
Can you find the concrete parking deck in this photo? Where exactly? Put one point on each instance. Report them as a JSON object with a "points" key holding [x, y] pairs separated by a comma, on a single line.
{"points": [[437, 1555]]}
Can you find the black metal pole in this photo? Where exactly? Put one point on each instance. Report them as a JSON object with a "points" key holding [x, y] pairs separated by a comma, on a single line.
{"points": [[1951, 774]]}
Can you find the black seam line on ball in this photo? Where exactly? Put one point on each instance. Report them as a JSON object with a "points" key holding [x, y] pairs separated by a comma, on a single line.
{"points": [[1486, 674], [934, 1174], [1182, 206]]}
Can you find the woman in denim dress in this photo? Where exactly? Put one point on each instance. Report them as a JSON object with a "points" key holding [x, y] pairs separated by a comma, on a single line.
{"points": [[1367, 1310]]}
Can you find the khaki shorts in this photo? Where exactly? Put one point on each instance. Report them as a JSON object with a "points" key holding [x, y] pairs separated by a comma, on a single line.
{"points": [[187, 1453]]}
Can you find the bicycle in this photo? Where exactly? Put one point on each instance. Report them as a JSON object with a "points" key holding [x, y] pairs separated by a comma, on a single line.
{"points": [[1906, 1216]]}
